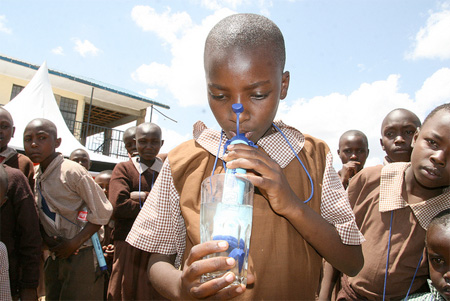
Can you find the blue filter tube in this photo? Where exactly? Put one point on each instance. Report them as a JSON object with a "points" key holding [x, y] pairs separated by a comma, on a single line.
{"points": [[233, 192], [99, 252]]}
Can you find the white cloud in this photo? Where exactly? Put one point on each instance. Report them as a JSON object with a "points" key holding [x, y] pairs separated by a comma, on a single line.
{"points": [[85, 48], [166, 25], [3, 27], [150, 93], [434, 91], [327, 117], [184, 78], [58, 50], [433, 40], [218, 4]]}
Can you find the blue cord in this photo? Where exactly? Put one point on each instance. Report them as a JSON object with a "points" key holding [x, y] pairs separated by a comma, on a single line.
{"points": [[307, 173], [387, 257], [387, 264], [414, 277]]}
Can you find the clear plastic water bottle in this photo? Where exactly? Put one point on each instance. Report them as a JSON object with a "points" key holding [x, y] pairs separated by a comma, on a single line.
{"points": [[82, 221]]}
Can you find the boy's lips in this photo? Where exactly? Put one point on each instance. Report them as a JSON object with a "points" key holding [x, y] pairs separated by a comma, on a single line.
{"points": [[432, 172], [248, 135]]}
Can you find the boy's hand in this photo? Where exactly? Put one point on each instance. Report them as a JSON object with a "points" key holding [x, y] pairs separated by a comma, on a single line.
{"points": [[65, 248], [265, 174], [348, 170], [195, 266]]}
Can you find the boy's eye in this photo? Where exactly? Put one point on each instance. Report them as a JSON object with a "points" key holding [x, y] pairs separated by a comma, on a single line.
{"points": [[216, 96], [437, 260], [259, 96], [410, 132], [432, 143]]}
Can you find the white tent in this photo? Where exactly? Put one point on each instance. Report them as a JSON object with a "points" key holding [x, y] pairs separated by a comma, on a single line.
{"points": [[36, 100]]}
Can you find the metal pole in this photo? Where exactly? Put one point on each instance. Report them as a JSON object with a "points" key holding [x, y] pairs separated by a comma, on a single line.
{"points": [[89, 114], [151, 113]]}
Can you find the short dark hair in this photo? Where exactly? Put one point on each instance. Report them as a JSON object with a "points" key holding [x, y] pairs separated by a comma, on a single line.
{"points": [[107, 172], [441, 219], [445, 106], [355, 133], [247, 31]]}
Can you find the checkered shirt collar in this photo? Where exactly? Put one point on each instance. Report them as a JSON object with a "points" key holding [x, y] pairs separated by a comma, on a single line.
{"points": [[392, 177], [274, 144], [142, 167]]}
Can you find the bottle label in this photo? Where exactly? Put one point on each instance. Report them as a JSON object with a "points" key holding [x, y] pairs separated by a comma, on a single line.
{"points": [[82, 216]]}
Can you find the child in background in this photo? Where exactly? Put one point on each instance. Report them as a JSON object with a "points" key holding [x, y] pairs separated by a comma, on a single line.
{"points": [[129, 140], [10, 156], [102, 179], [400, 198], [63, 188], [438, 250], [130, 184], [5, 289], [244, 63], [353, 151], [397, 131], [19, 225], [81, 156]]}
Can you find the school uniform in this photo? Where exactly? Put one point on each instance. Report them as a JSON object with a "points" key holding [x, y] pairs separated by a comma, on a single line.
{"points": [[375, 194], [12, 158], [20, 232], [5, 291], [129, 279], [63, 189], [284, 264]]}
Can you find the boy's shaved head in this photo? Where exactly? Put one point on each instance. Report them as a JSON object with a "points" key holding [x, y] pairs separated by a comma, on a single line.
{"points": [[148, 127], [400, 113], [445, 106], [7, 114], [42, 122], [247, 32], [355, 133]]}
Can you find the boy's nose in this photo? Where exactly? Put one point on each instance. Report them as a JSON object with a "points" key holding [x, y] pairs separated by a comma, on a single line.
{"points": [[438, 158], [399, 139]]}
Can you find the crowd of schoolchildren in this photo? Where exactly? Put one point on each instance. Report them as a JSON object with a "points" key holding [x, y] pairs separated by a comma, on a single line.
{"points": [[374, 233]]}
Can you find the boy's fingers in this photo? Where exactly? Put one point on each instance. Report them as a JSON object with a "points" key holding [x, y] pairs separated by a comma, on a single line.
{"points": [[216, 264], [199, 251], [218, 288]]}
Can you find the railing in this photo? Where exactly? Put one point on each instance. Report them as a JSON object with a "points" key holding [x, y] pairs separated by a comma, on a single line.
{"points": [[99, 139]]}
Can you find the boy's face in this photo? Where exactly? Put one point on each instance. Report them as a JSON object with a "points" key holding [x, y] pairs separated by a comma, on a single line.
{"points": [[6, 129], [438, 247], [397, 133], [130, 144], [103, 182], [148, 143], [82, 158], [251, 78], [40, 142], [430, 158], [353, 148]]}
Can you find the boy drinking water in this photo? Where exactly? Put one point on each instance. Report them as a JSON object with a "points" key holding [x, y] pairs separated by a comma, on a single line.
{"points": [[244, 63], [63, 188]]}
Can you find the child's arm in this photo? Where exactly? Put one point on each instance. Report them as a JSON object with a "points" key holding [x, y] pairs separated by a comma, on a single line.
{"points": [[329, 278], [269, 178], [67, 247], [185, 284]]}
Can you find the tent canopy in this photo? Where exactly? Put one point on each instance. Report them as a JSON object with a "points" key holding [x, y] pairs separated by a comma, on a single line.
{"points": [[36, 100]]}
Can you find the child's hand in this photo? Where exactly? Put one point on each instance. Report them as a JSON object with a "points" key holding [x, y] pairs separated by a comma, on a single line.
{"points": [[65, 248], [348, 170], [265, 174], [195, 266], [134, 195]]}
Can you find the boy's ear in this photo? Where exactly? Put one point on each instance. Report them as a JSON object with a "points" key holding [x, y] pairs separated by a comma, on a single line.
{"points": [[284, 84], [57, 142], [416, 134], [162, 142], [382, 145], [13, 131]]}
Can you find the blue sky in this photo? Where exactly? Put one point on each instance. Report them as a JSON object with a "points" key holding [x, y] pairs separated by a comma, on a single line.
{"points": [[351, 62]]}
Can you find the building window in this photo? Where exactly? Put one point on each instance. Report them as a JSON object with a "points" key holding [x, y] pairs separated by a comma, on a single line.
{"points": [[68, 108], [16, 89]]}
